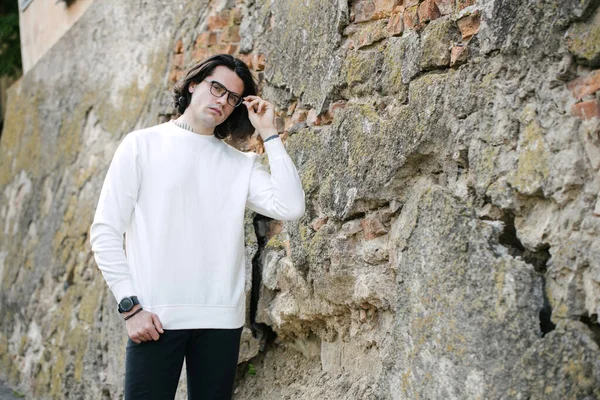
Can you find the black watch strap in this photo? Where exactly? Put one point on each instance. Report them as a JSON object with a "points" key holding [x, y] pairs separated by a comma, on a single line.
{"points": [[127, 304]]}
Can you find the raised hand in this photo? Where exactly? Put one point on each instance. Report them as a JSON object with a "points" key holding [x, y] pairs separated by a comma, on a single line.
{"points": [[261, 114]]}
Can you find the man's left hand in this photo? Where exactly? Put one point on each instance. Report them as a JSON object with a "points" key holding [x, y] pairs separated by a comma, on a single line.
{"points": [[261, 114]]}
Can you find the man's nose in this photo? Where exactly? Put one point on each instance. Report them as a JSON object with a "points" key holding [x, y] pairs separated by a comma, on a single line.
{"points": [[222, 100]]}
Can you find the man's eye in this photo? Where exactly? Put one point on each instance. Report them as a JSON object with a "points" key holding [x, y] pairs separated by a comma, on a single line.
{"points": [[218, 87]]}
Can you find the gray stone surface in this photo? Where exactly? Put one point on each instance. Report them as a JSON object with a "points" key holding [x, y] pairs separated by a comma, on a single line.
{"points": [[450, 245]]}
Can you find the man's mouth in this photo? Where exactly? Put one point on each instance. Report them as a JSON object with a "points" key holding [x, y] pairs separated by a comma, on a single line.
{"points": [[216, 110]]}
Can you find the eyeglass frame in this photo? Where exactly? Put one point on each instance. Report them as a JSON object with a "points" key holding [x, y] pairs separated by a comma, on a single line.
{"points": [[227, 91]]}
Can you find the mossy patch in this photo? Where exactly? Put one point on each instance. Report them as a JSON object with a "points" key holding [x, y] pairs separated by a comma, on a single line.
{"points": [[534, 157], [583, 39]]}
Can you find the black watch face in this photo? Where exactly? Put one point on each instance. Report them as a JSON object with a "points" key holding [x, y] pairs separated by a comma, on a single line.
{"points": [[126, 304]]}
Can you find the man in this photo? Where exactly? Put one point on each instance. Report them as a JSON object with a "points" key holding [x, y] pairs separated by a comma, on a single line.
{"points": [[180, 192]]}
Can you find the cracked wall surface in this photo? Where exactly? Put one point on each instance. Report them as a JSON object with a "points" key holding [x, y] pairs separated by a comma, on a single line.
{"points": [[450, 155]]}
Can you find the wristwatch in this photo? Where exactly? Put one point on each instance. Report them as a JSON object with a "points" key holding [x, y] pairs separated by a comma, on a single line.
{"points": [[127, 304]]}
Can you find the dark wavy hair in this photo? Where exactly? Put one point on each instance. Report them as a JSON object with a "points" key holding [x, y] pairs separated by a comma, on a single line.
{"points": [[237, 124]]}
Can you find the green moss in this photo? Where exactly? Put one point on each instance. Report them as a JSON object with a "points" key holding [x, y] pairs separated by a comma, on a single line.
{"points": [[275, 242], [437, 40], [58, 371], [20, 144], [360, 66], [533, 163], [584, 40]]}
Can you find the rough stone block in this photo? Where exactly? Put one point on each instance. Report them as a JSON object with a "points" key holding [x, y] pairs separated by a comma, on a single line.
{"points": [[178, 47], [395, 25], [586, 109], [303, 49], [372, 227], [469, 25], [369, 34], [446, 7], [458, 55], [383, 8], [585, 85], [231, 34], [428, 11], [364, 10], [437, 39], [411, 17], [460, 4], [583, 39], [216, 22]]}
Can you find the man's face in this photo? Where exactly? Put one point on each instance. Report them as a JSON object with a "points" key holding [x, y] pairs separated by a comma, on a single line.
{"points": [[210, 110]]}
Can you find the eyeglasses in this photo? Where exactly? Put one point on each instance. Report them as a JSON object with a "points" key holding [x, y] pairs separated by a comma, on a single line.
{"points": [[218, 90]]}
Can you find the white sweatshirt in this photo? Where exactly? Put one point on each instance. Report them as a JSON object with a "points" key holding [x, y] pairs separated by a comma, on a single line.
{"points": [[180, 198]]}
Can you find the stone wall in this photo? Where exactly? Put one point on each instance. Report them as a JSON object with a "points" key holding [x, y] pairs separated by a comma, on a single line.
{"points": [[449, 151]]}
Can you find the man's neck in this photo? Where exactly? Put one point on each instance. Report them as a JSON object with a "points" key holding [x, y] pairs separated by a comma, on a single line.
{"points": [[187, 122]]}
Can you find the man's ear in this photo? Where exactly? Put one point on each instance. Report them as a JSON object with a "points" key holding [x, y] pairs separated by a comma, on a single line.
{"points": [[192, 87]]}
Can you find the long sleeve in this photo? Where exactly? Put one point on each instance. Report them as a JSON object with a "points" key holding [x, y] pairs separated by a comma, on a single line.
{"points": [[278, 195], [115, 206]]}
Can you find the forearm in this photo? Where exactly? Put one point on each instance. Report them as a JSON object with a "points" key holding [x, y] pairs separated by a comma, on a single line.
{"points": [[279, 194], [107, 246]]}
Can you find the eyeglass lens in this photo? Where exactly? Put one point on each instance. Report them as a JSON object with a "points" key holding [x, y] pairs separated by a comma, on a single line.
{"points": [[219, 90]]}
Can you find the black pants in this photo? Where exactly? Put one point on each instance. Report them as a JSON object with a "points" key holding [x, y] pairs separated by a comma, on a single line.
{"points": [[153, 368]]}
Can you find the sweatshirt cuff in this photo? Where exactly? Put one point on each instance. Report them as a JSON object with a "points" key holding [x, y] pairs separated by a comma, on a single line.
{"points": [[275, 149], [123, 288]]}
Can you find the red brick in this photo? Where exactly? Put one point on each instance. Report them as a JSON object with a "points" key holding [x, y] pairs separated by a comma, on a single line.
{"points": [[178, 60], [364, 10], [383, 8], [176, 75], [206, 39], [587, 109], [396, 24], [458, 55], [230, 49], [200, 54], [225, 13], [258, 61], [446, 7], [469, 25], [247, 58], [179, 47], [236, 16], [299, 116], [373, 227], [460, 4], [585, 85], [428, 11], [231, 34], [280, 124], [312, 118], [337, 106], [411, 18], [216, 22]]}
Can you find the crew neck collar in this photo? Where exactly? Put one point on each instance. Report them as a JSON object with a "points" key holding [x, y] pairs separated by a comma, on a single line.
{"points": [[180, 129]]}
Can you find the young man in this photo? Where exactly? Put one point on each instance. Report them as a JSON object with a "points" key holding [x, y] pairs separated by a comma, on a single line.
{"points": [[179, 192]]}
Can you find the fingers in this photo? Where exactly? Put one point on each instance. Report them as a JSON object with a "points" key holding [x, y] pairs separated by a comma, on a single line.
{"points": [[250, 105], [252, 101], [147, 327], [157, 323]]}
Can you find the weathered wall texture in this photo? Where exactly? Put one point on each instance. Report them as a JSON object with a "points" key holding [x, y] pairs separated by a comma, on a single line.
{"points": [[450, 154]]}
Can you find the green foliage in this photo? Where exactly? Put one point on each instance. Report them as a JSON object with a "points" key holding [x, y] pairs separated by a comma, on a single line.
{"points": [[10, 46], [18, 394], [251, 370]]}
